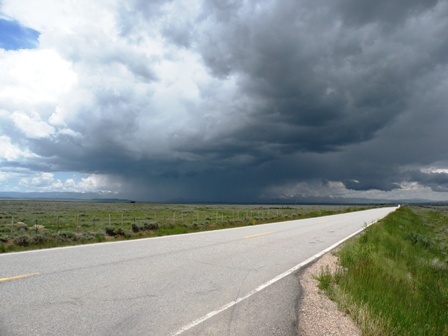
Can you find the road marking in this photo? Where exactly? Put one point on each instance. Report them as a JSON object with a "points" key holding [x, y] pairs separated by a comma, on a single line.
{"points": [[321, 222], [259, 234], [18, 277], [266, 284]]}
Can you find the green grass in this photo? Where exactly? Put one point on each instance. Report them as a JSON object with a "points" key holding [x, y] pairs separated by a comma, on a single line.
{"points": [[60, 223], [393, 279]]}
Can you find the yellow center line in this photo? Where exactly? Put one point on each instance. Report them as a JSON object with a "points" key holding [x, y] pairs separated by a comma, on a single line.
{"points": [[19, 277], [324, 221], [259, 234]]}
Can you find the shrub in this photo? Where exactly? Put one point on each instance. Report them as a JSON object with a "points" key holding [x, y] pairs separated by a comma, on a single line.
{"points": [[38, 227], [39, 239], [86, 237], [114, 232], [151, 226], [127, 234], [136, 227], [20, 225], [22, 240], [67, 236], [121, 232], [110, 231], [252, 222]]}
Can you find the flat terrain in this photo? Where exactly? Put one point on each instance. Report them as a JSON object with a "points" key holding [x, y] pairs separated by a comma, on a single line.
{"points": [[32, 224], [160, 286]]}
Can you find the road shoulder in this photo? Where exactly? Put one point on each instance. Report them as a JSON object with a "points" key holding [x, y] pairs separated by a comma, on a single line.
{"points": [[318, 315]]}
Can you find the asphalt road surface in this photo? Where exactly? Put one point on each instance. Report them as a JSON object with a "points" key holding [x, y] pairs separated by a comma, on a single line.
{"points": [[230, 282]]}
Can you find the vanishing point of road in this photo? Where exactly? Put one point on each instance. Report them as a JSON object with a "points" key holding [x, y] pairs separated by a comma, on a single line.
{"points": [[239, 281]]}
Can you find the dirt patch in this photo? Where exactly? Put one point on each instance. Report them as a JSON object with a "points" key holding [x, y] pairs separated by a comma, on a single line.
{"points": [[318, 315]]}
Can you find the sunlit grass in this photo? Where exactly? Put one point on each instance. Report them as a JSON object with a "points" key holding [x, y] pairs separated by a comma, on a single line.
{"points": [[393, 279]]}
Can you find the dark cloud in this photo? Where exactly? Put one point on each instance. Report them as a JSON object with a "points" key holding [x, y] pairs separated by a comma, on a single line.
{"points": [[437, 181], [352, 93], [314, 85], [382, 12]]}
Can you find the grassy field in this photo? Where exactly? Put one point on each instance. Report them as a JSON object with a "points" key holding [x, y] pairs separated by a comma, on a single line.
{"points": [[393, 279], [33, 224]]}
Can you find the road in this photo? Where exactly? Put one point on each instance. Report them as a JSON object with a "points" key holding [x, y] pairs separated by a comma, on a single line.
{"points": [[229, 282]]}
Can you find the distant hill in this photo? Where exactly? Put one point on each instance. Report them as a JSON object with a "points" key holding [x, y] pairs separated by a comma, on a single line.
{"points": [[6, 195], [96, 197]]}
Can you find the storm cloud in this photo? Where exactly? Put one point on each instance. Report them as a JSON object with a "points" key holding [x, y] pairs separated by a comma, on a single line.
{"points": [[228, 100]]}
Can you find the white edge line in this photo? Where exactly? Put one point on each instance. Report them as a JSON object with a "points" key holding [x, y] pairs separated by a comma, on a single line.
{"points": [[266, 284]]}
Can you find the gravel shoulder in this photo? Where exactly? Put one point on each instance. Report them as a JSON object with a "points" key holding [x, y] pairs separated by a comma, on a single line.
{"points": [[318, 315]]}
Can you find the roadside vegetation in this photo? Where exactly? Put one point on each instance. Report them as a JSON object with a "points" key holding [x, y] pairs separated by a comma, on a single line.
{"points": [[393, 279], [31, 224]]}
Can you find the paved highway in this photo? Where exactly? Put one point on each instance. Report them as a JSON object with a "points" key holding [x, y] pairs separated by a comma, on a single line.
{"points": [[229, 282]]}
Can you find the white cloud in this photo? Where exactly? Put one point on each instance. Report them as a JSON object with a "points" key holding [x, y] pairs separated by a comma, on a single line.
{"points": [[12, 152], [58, 182], [32, 78], [66, 15], [87, 70], [31, 125], [41, 180], [433, 170], [98, 183]]}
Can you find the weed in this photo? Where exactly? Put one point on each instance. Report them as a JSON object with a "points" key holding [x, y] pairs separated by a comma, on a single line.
{"points": [[395, 275], [325, 279]]}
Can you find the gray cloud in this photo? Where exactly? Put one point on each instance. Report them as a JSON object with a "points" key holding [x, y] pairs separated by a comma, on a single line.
{"points": [[314, 84], [382, 12], [437, 181], [268, 95]]}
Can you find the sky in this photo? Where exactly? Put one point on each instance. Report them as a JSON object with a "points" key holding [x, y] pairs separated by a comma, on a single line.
{"points": [[225, 100]]}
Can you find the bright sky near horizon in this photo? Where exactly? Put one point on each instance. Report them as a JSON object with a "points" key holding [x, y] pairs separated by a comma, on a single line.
{"points": [[225, 100]]}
